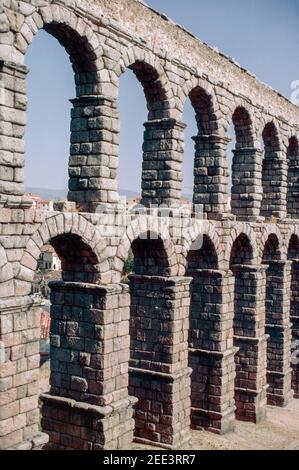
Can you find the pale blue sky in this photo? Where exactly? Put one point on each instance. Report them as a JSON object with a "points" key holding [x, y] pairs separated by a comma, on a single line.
{"points": [[262, 35]]}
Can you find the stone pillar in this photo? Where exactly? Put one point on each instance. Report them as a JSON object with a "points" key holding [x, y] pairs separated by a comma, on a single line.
{"points": [[295, 326], [293, 188], [211, 174], [246, 183], [88, 406], [163, 150], [274, 181], [159, 373], [249, 337], [13, 102], [19, 374], [94, 152], [211, 353], [279, 329]]}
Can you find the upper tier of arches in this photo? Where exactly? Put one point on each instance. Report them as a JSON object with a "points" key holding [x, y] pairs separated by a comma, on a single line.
{"points": [[266, 161]]}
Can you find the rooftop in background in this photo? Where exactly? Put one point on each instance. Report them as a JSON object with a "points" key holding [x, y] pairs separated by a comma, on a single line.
{"points": [[39, 203]]}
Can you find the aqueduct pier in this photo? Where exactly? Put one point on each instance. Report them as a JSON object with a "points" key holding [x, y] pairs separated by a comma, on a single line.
{"points": [[200, 337]]}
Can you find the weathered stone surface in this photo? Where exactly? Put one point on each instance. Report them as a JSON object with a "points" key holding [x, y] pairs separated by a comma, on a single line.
{"points": [[211, 345]]}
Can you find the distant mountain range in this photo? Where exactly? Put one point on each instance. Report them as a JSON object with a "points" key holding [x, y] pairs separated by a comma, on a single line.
{"points": [[57, 194], [46, 193]]}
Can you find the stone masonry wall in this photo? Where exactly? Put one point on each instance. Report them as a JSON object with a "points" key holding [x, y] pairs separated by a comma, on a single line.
{"points": [[204, 333]]}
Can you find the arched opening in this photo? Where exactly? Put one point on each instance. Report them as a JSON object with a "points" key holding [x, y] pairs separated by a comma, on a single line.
{"points": [[158, 339], [208, 292], [243, 165], [230, 156], [242, 251], [210, 165], [133, 113], [77, 264], [204, 111], [150, 257], [48, 270], [188, 168], [51, 82], [154, 90], [152, 169], [247, 321], [293, 178], [243, 128], [272, 173], [203, 258], [271, 250], [293, 248], [277, 319], [67, 300], [80, 51], [293, 256]]}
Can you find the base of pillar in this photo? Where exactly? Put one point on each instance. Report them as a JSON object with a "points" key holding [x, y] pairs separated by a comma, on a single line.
{"points": [[212, 406], [217, 423], [251, 405], [183, 445], [36, 443], [221, 216], [280, 388], [162, 413], [74, 425], [279, 400]]}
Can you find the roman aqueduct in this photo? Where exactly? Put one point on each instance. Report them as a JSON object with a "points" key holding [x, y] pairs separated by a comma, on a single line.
{"points": [[200, 337]]}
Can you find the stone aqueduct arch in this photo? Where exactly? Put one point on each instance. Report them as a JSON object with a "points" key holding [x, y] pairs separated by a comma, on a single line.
{"points": [[191, 324]]}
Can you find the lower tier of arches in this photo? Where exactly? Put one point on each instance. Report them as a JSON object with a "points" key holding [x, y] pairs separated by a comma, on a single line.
{"points": [[149, 360]]}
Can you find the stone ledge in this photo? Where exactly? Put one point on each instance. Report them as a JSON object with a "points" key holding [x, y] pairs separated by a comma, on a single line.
{"points": [[249, 391], [280, 327], [214, 272], [9, 304], [280, 374], [161, 375], [14, 66], [87, 100], [15, 202], [164, 123], [37, 443], [249, 339], [277, 400], [168, 281], [222, 217], [216, 414], [254, 268], [96, 411], [216, 354], [97, 288]]}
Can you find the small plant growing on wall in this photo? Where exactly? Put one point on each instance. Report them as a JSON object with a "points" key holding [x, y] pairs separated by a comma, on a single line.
{"points": [[128, 267]]}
